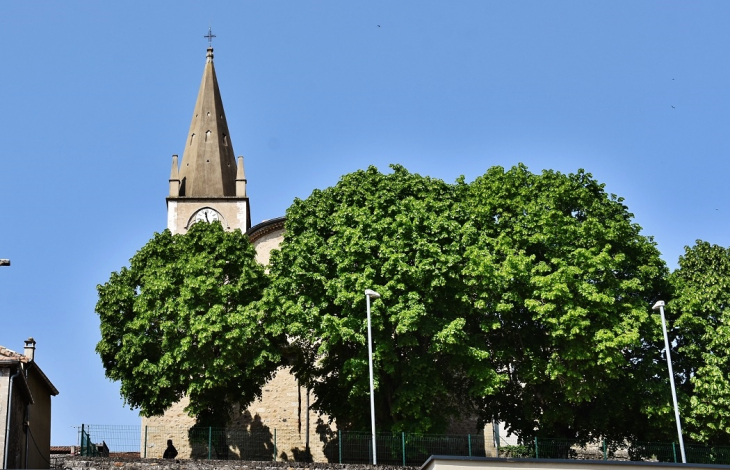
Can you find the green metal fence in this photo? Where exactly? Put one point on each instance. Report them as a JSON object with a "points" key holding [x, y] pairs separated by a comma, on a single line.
{"points": [[555, 449], [264, 444], [655, 452], [545, 448], [406, 449], [708, 455], [87, 448], [117, 438]]}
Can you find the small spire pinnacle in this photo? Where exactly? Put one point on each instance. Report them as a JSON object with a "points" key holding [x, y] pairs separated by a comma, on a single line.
{"points": [[240, 178], [174, 178]]}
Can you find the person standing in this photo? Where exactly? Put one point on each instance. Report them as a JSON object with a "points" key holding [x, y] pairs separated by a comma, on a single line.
{"points": [[170, 452]]}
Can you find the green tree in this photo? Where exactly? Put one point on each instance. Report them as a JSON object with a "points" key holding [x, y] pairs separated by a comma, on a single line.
{"points": [[398, 234], [562, 282], [700, 308], [182, 320]]}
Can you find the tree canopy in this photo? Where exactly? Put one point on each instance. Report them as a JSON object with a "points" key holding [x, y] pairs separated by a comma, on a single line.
{"points": [[182, 320], [519, 297], [561, 281], [522, 296], [396, 234], [700, 308]]}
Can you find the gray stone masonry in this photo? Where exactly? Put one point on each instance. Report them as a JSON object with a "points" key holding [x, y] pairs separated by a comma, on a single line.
{"points": [[111, 463]]}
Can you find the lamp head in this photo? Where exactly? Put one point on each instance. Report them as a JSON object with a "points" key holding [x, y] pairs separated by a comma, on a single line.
{"points": [[372, 294], [658, 304]]}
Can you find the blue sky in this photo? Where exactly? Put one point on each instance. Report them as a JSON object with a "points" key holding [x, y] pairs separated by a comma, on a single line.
{"points": [[96, 97]]}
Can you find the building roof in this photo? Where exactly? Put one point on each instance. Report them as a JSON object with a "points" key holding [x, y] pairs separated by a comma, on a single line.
{"points": [[51, 388], [9, 357], [265, 227], [208, 167]]}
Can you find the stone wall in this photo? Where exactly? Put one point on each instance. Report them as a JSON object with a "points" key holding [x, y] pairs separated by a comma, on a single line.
{"points": [[100, 463], [280, 418], [267, 242]]}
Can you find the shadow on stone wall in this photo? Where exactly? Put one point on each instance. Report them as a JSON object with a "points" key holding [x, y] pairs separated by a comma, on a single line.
{"points": [[308, 454], [329, 439], [252, 440]]}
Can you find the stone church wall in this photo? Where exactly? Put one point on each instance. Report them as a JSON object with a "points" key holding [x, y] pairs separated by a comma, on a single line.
{"points": [[281, 417], [266, 243]]}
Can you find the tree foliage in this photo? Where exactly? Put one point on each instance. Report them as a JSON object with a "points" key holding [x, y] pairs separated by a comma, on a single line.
{"points": [[700, 308], [518, 297], [182, 320], [395, 234], [525, 297], [561, 280]]}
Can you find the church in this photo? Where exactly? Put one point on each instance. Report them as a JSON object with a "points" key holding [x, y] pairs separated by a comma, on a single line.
{"points": [[209, 184]]}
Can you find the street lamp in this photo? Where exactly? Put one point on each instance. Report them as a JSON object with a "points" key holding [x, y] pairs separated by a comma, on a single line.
{"points": [[660, 306], [4, 262], [368, 294]]}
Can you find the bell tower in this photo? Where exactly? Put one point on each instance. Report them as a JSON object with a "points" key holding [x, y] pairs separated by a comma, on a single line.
{"points": [[209, 183]]}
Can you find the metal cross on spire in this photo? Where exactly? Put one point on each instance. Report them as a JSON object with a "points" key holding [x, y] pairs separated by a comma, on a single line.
{"points": [[210, 37]]}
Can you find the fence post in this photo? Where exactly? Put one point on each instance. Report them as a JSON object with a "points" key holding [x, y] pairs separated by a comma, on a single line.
{"points": [[210, 439], [605, 456], [403, 446], [469, 437], [145, 442], [275, 452], [339, 443], [82, 440], [674, 451], [537, 453]]}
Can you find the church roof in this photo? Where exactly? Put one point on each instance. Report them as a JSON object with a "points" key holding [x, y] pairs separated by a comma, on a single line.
{"points": [[208, 167], [265, 227]]}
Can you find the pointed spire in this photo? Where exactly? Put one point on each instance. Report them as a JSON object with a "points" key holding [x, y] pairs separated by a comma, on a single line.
{"points": [[240, 179], [208, 164]]}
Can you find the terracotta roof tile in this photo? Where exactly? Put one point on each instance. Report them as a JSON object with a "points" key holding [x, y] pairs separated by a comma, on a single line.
{"points": [[6, 354]]}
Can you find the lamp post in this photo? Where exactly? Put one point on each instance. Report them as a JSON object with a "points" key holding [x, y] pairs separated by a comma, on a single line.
{"points": [[660, 306], [368, 294]]}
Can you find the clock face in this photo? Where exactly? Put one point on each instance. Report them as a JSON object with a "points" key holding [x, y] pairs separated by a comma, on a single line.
{"points": [[206, 215]]}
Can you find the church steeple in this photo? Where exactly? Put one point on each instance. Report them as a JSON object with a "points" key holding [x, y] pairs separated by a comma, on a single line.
{"points": [[208, 166], [208, 184]]}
